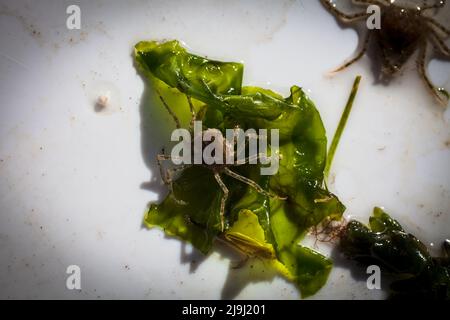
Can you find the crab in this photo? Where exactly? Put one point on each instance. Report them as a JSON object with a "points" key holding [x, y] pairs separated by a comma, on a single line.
{"points": [[403, 31], [167, 175]]}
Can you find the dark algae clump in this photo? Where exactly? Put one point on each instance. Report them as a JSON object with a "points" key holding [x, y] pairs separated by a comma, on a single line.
{"points": [[385, 243]]}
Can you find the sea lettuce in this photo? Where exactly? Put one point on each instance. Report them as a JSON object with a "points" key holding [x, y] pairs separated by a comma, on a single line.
{"points": [[221, 102]]}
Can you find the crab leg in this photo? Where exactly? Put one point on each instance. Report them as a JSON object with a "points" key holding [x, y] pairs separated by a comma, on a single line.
{"points": [[421, 62], [331, 6], [441, 46], [251, 183], [438, 25], [174, 116], [357, 57], [250, 158], [192, 110], [223, 200], [168, 175], [437, 5], [374, 2]]}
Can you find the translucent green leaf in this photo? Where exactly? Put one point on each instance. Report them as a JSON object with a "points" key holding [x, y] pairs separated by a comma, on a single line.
{"points": [[267, 228]]}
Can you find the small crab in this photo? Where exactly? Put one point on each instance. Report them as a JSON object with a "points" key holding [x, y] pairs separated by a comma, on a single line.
{"points": [[403, 31], [217, 169]]}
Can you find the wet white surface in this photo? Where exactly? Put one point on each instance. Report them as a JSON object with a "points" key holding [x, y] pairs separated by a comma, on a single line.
{"points": [[71, 178]]}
